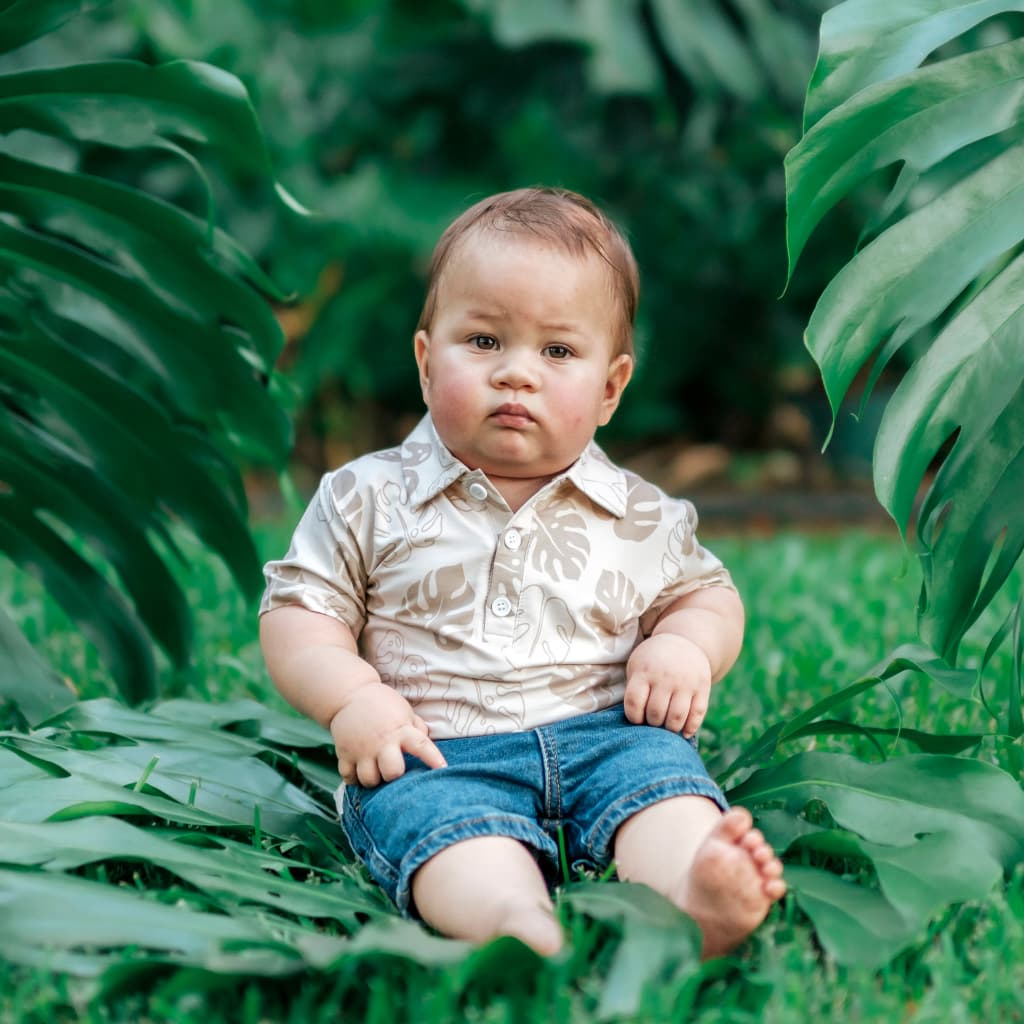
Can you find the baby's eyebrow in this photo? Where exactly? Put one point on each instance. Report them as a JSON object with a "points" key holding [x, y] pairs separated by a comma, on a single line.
{"points": [[558, 327], [499, 314]]}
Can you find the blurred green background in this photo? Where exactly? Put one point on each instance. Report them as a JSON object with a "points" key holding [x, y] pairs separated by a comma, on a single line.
{"points": [[388, 118]]}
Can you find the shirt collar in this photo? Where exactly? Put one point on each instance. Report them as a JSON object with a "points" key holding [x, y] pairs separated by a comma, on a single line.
{"points": [[600, 480], [428, 467]]}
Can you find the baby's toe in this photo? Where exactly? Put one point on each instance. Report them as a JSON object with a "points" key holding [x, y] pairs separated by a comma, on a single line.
{"points": [[753, 840]]}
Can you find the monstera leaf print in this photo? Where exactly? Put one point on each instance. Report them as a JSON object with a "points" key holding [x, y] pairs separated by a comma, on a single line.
{"points": [[545, 630], [346, 502], [442, 602], [407, 673], [467, 701], [643, 511], [413, 529], [561, 546], [616, 601], [681, 547]]}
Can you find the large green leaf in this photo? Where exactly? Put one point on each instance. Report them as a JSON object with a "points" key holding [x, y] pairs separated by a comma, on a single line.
{"points": [[104, 932], [136, 353], [241, 874], [168, 249], [868, 41], [235, 789], [98, 607], [655, 936], [132, 105], [25, 679], [183, 346], [25, 20], [239, 724], [935, 830], [64, 488], [73, 411], [700, 38], [910, 274], [974, 538], [918, 119], [706, 46], [854, 923], [944, 266], [66, 923], [227, 871], [908, 658]]}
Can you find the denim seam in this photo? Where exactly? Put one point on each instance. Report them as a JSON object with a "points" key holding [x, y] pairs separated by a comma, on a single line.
{"points": [[547, 768], [557, 773], [696, 785], [381, 865]]}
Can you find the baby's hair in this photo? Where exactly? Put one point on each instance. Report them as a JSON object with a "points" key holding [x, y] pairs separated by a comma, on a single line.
{"points": [[563, 218]]}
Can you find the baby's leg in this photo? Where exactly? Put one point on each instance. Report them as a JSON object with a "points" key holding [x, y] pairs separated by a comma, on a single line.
{"points": [[481, 888], [718, 868]]}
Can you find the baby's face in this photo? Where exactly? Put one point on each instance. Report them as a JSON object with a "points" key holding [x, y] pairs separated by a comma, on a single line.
{"points": [[519, 366]]}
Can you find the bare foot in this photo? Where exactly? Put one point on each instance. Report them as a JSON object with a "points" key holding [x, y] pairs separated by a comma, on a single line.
{"points": [[733, 881]]}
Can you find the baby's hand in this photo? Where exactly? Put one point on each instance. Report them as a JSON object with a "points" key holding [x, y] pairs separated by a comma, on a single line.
{"points": [[373, 730], [668, 681]]}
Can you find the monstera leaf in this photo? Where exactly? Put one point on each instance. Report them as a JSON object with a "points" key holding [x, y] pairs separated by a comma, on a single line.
{"points": [[933, 830], [943, 270], [135, 348]]}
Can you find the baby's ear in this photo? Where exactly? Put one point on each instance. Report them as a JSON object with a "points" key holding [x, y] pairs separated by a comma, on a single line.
{"points": [[421, 349], [620, 369]]}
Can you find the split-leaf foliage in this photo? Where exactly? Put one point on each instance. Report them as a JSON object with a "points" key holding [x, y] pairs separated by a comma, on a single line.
{"points": [[939, 278], [135, 349], [135, 355]]}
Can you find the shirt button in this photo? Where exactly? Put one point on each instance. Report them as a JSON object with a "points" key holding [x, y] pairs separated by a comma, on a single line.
{"points": [[477, 490], [501, 606], [513, 540]]}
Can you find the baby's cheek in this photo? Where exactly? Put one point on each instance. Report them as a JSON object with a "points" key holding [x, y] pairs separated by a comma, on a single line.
{"points": [[452, 403]]}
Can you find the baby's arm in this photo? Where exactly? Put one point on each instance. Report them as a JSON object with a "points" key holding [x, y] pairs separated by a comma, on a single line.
{"points": [[314, 662], [693, 644]]}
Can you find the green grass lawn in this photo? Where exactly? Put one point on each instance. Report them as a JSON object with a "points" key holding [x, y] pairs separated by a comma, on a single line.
{"points": [[822, 610]]}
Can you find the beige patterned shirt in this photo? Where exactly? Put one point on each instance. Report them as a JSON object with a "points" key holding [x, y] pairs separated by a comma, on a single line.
{"points": [[489, 620]]}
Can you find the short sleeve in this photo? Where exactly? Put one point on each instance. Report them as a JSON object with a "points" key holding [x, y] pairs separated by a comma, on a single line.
{"points": [[324, 569], [686, 566]]}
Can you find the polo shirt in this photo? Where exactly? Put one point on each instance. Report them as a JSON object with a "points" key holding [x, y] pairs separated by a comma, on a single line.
{"points": [[485, 619]]}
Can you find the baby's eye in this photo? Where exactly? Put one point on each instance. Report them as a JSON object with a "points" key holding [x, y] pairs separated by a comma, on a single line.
{"points": [[484, 342], [558, 351]]}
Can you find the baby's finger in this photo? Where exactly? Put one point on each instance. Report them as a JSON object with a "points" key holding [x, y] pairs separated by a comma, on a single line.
{"points": [[421, 725], [657, 705], [635, 701], [694, 720], [419, 745], [347, 771], [390, 762], [678, 712], [367, 773]]}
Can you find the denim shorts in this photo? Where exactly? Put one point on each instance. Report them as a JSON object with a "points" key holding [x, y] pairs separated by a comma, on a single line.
{"points": [[586, 774]]}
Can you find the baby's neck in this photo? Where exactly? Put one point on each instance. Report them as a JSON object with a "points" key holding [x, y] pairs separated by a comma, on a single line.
{"points": [[517, 491]]}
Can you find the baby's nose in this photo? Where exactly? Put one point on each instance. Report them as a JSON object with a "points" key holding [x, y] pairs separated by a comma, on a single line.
{"points": [[516, 370]]}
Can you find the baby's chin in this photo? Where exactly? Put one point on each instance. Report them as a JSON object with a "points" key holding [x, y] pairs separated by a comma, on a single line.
{"points": [[510, 469], [512, 465]]}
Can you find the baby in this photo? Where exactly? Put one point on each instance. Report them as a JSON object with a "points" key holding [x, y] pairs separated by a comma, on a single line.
{"points": [[511, 639]]}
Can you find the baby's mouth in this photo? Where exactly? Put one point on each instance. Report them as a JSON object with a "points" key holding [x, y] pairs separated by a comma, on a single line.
{"points": [[512, 415]]}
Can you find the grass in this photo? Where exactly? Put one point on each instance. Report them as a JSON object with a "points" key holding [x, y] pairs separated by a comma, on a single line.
{"points": [[822, 610]]}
